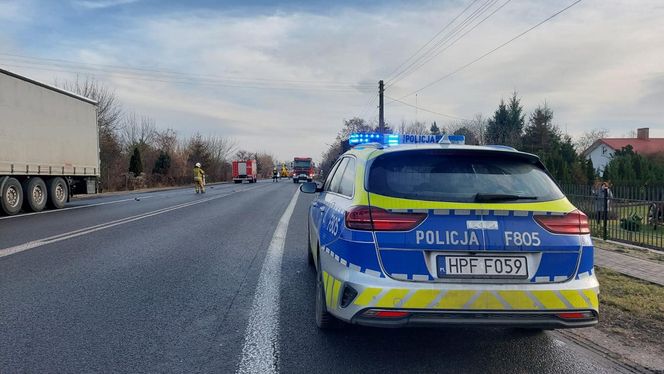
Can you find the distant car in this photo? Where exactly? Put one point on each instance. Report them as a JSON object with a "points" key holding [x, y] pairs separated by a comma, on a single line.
{"points": [[438, 234]]}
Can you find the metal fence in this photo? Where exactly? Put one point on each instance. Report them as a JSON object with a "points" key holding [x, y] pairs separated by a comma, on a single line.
{"points": [[629, 214]]}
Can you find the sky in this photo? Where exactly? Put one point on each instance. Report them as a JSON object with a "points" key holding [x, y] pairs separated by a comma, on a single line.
{"points": [[281, 77]]}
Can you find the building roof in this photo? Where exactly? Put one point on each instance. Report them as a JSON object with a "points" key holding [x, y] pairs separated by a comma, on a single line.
{"points": [[48, 86], [642, 146]]}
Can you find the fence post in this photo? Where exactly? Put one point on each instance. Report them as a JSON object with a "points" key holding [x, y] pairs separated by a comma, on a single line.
{"points": [[605, 214]]}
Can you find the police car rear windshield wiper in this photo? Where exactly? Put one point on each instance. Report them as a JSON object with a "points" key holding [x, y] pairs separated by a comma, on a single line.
{"points": [[488, 197]]}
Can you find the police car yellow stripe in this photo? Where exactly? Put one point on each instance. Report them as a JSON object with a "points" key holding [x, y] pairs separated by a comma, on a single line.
{"points": [[455, 299], [478, 299], [385, 202], [392, 298], [421, 298], [549, 299], [367, 296], [518, 299]]}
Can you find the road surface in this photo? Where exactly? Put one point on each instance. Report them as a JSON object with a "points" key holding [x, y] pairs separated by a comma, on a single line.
{"points": [[172, 281]]}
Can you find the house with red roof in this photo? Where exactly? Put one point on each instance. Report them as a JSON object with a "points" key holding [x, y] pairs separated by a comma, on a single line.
{"points": [[601, 151]]}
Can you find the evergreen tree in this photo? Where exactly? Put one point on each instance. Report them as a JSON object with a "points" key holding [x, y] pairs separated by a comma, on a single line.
{"points": [[163, 164], [541, 135], [434, 130], [506, 126], [590, 171], [135, 163], [471, 138]]}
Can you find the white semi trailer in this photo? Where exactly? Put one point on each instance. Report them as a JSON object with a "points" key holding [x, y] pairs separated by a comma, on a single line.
{"points": [[49, 145]]}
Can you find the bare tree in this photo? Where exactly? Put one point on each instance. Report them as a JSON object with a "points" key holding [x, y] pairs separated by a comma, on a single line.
{"points": [[138, 130], [166, 140], [416, 128], [109, 116], [588, 138], [109, 111]]}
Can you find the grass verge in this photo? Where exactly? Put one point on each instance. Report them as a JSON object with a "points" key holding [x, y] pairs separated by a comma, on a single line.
{"points": [[631, 309]]}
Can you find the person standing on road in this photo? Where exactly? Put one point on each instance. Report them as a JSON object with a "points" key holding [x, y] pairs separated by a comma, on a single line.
{"points": [[275, 175], [601, 209], [199, 175]]}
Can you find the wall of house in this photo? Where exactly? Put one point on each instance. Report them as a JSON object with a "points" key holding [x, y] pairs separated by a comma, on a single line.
{"points": [[601, 156]]}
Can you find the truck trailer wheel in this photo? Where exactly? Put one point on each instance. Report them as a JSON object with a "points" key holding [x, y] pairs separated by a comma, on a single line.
{"points": [[12, 196], [57, 192], [34, 191]]}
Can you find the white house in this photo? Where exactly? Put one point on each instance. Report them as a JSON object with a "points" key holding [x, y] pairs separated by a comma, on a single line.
{"points": [[601, 151]]}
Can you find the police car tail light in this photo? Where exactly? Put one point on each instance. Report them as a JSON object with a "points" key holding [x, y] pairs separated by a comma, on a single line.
{"points": [[575, 222], [371, 218]]}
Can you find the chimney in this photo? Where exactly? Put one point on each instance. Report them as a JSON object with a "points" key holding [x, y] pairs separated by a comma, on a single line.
{"points": [[643, 134]]}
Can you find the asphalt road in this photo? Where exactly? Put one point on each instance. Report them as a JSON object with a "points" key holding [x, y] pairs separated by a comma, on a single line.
{"points": [[166, 282]]}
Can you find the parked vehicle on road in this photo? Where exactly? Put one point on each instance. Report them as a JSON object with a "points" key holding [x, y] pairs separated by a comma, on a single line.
{"points": [[245, 170], [49, 145], [438, 234]]}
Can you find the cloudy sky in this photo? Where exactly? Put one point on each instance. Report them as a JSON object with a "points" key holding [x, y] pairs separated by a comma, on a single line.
{"points": [[282, 77]]}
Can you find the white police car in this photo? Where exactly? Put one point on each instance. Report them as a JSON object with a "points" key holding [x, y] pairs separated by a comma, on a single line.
{"points": [[436, 234]]}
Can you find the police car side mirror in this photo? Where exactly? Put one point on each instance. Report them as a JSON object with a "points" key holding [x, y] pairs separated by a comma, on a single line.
{"points": [[310, 187]]}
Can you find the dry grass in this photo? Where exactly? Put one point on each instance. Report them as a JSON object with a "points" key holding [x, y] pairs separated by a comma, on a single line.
{"points": [[632, 308]]}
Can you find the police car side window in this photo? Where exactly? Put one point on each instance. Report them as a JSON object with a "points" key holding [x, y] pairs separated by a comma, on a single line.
{"points": [[348, 179], [336, 180], [328, 181]]}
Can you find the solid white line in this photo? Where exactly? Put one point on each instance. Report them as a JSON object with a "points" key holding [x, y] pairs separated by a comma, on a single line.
{"points": [[90, 229], [261, 345]]}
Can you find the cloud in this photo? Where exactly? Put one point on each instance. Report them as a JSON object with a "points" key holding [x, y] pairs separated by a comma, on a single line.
{"points": [[101, 4], [594, 66]]}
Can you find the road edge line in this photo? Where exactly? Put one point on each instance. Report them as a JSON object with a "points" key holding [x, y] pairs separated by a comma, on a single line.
{"points": [[260, 351]]}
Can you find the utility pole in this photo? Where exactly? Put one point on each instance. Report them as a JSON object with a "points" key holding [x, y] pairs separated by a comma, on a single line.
{"points": [[381, 107]]}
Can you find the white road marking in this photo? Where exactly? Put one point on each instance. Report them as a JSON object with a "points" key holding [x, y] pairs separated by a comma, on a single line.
{"points": [[90, 229], [76, 207], [133, 198], [261, 344]]}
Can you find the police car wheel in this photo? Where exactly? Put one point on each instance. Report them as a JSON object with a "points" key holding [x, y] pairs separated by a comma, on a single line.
{"points": [[324, 320]]}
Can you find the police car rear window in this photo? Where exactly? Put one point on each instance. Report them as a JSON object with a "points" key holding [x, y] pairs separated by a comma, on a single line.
{"points": [[438, 175]]}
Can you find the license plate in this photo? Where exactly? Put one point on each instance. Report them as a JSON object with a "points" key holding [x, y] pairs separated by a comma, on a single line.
{"points": [[482, 266]]}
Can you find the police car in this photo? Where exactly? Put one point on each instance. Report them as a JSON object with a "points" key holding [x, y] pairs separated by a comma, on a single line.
{"points": [[436, 232]]}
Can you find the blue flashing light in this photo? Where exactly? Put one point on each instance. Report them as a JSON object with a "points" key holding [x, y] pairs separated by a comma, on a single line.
{"points": [[364, 138]]}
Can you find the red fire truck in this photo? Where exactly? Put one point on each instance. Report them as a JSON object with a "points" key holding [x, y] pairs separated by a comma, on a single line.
{"points": [[303, 169], [244, 171]]}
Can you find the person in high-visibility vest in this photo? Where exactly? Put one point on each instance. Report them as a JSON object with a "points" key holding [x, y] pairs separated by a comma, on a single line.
{"points": [[199, 178]]}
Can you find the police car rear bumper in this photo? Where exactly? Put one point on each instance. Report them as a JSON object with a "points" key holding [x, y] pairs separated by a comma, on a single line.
{"points": [[350, 294], [419, 318]]}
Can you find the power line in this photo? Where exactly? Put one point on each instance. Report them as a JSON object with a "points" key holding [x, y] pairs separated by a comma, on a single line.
{"points": [[170, 75], [451, 44], [493, 50], [430, 40], [425, 110], [465, 22], [181, 80]]}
